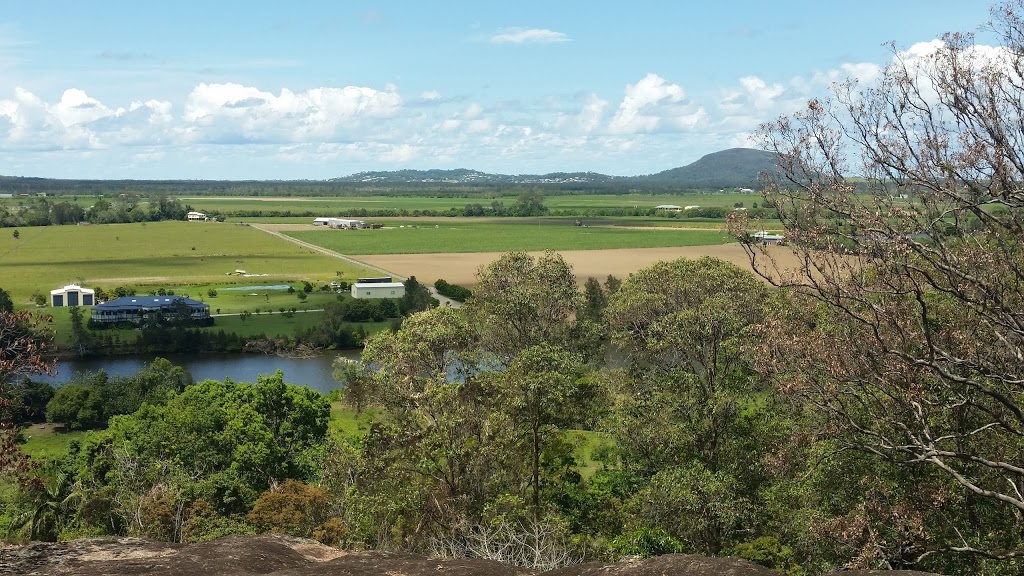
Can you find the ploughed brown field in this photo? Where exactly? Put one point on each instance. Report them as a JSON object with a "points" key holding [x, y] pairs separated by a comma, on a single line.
{"points": [[458, 268]]}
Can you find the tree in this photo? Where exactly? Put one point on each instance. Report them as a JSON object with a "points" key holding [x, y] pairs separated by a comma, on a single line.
{"points": [[537, 394], [16, 234], [6, 305], [685, 401], [904, 329], [24, 340], [520, 301], [81, 339], [594, 299], [416, 298]]}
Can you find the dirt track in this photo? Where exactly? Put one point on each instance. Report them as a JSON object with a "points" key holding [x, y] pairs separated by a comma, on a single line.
{"points": [[461, 268]]}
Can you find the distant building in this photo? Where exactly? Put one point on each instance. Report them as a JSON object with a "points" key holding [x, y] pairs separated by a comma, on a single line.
{"points": [[669, 207], [692, 207], [339, 222], [72, 295], [384, 287], [765, 237], [136, 309], [197, 217]]}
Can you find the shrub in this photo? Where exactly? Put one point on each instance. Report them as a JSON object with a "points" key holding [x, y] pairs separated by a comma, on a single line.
{"points": [[293, 508], [646, 542], [453, 291]]}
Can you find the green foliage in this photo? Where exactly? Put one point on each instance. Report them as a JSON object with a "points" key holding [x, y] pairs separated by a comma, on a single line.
{"points": [[90, 400], [416, 298], [453, 291], [645, 543], [6, 305], [768, 551], [233, 440], [292, 508], [521, 301]]}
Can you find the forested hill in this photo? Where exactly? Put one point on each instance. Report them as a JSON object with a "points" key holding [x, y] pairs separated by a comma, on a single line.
{"points": [[733, 168]]}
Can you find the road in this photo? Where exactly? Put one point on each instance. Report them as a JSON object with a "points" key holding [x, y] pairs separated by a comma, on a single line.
{"points": [[445, 301]]}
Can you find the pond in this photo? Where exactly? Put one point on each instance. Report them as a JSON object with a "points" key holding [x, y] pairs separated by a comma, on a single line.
{"points": [[314, 372]]}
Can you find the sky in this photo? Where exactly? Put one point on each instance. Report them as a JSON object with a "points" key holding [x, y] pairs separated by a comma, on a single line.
{"points": [[249, 89]]}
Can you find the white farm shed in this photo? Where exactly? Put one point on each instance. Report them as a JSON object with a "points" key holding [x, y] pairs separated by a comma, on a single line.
{"points": [[378, 289], [72, 295], [338, 222]]}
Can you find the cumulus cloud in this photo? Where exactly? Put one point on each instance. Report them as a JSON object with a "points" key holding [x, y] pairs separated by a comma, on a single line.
{"points": [[654, 104], [236, 113], [587, 120], [528, 36]]}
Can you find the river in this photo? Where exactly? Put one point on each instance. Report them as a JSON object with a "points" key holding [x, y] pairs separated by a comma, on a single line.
{"points": [[314, 372]]}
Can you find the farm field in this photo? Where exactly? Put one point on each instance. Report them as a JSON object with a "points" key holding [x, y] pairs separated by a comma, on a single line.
{"points": [[461, 268], [466, 237], [302, 223], [167, 254], [339, 205]]}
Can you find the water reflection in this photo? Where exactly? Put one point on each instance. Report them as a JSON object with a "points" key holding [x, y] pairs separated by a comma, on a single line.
{"points": [[314, 372]]}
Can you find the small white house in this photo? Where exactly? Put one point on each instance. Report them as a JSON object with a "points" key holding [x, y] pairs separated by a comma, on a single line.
{"points": [[377, 288], [668, 207], [197, 217], [72, 295]]}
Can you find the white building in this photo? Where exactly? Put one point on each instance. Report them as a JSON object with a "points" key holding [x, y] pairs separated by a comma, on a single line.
{"points": [[669, 207], [197, 217], [72, 295], [339, 222], [377, 288], [765, 237]]}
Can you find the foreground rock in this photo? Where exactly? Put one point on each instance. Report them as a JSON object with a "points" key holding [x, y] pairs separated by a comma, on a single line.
{"points": [[285, 556]]}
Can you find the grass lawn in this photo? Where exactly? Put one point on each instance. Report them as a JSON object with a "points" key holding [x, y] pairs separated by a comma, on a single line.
{"points": [[465, 236], [48, 441], [172, 254], [346, 421]]}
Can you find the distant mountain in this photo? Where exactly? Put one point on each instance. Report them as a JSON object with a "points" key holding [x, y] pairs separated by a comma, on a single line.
{"points": [[464, 176], [733, 168]]}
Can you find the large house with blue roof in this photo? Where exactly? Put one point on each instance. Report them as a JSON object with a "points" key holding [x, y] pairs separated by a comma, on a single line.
{"points": [[136, 309]]}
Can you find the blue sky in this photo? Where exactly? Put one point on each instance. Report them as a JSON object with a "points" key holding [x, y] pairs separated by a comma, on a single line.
{"points": [[282, 90]]}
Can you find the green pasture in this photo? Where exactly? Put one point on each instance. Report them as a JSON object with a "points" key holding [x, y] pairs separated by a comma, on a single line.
{"points": [[465, 236], [48, 441], [171, 254], [343, 205]]}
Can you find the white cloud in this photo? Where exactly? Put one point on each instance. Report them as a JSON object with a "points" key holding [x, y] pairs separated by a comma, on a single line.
{"points": [[398, 153], [587, 120], [654, 104], [236, 113], [430, 95], [528, 36]]}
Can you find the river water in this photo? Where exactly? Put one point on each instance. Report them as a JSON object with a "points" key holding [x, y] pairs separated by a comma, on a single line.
{"points": [[314, 372]]}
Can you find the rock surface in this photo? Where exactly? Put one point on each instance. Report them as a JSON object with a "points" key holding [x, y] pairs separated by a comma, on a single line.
{"points": [[285, 556]]}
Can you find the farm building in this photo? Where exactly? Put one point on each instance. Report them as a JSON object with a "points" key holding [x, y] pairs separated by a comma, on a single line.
{"points": [[765, 237], [137, 308], [72, 295], [669, 207], [338, 222], [197, 217], [384, 287]]}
